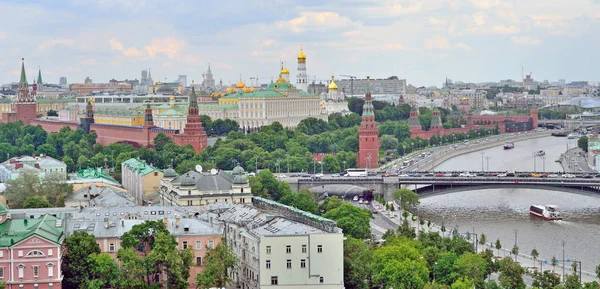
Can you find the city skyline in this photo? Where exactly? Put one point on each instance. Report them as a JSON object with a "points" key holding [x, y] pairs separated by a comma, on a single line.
{"points": [[422, 41]]}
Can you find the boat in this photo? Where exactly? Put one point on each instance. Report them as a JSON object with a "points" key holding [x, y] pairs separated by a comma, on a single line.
{"points": [[548, 212], [509, 145], [572, 136], [540, 153]]}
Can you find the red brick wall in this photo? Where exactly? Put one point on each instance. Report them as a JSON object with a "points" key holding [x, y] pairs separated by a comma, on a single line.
{"points": [[53, 126]]}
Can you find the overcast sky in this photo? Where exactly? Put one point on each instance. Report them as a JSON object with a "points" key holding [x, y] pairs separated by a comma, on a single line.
{"points": [[423, 41]]}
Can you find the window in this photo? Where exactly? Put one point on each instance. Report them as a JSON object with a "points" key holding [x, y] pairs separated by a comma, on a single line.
{"points": [[155, 174], [211, 244], [319, 248], [302, 263], [1, 272], [268, 264], [35, 253], [20, 253], [198, 261], [50, 270], [50, 252], [274, 280], [321, 279], [21, 271], [198, 245], [288, 249], [36, 271], [184, 245], [1, 254], [303, 248], [289, 264], [268, 249], [111, 247]]}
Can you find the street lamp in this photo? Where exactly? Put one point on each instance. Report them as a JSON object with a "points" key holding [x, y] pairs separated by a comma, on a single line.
{"points": [[482, 154], [403, 151], [287, 158], [488, 162], [344, 162]]}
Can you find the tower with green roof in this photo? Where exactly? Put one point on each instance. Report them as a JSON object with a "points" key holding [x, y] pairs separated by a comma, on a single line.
{"points": [[368, 135], [25, 106]]}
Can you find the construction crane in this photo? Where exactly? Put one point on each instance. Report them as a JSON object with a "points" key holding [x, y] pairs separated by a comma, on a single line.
{"points": [[352, 78], [257, 79]]}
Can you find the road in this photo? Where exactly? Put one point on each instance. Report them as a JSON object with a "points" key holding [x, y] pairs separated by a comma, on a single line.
{"points": [[574, 160]]}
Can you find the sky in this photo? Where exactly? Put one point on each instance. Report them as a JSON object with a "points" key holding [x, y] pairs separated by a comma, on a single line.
{"points": [[423, 41]]}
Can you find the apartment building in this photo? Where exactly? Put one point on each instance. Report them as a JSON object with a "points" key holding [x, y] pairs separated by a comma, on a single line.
{"points": [[140, 179], [42, 165]]}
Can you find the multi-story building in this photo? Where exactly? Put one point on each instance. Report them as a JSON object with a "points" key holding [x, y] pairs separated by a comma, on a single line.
{"points": [[391, 85], [282, 247], [203, 188], [98, 196], [62, 81], [30, 250], [41, 165], [209, 82], [140, 179], [83, 89]]}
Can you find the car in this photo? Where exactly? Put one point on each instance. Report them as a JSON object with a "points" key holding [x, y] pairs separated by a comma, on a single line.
{"points": [[375, 212], [439, 175], [355, 199], [360, 201], [501, 175], [448, 175], [415, 175], [319, 175], [403, 176], [587, 176], [466, 175], [428, 175], [553, 176], [366, 201]]}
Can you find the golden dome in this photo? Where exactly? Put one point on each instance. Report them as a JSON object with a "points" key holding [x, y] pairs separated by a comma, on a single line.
{"points": [[285, 71], [213, 94], [464, 98], [280, 79], [301, 54], [229, 89], [251, 89], [171, 98], [240, 84], [332, 85]]}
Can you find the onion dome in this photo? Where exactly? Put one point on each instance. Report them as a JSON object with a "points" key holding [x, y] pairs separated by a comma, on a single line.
{"points": [[229, 89], [241, 179], [285, 71], [171, 98], [251, 88], [301, 54], [332, 85], [170, 173], [240, 84]]}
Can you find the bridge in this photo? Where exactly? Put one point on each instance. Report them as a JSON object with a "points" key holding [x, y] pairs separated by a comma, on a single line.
{"points": [[432, 183], [569, 123]]}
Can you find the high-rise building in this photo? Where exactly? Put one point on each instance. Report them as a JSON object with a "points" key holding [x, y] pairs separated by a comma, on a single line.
{"points": [[209, 82], [62, 81], [301, 77], [368, 135], [182, 79], [144, 79]]}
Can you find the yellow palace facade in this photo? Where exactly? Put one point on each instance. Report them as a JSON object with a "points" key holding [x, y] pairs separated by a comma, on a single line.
{"points": [[43, 105]]}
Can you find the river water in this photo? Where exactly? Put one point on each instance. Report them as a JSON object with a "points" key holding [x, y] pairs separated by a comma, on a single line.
{"points": [[499, 212]]}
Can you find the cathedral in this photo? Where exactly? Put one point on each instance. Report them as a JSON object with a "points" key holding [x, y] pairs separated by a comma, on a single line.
{"points": [[334, 101]]}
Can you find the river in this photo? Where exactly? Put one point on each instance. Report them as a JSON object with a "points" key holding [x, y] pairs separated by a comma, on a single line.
{"points": [[499, 212]]}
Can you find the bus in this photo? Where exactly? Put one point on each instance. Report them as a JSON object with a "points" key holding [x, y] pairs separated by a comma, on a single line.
{"points": [[355, 172]]}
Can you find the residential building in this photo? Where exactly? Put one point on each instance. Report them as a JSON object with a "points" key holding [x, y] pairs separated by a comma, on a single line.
{"points": [[98, 196], [109, 224], [282, 247], [202, 188], [88, 87], [84, 178], [140, 178], [42, 165], [30, 251], [391, 85]]}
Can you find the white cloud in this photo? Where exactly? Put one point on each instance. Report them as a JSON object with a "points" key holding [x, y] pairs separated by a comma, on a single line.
{"points": [[131, 51], [463, 46], [479, 18], [318, 21], [395, 10], [437, 21], [169, 46], [500, 29], [437, 42], [488, 4], [54, 42], [525, 40]]}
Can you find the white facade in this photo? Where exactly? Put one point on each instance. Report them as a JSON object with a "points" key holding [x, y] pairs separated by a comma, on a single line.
{"points": [[302, 77], [281, 247], [41, 165]]}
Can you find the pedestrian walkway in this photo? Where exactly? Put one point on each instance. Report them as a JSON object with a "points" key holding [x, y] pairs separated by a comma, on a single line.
{"points": [[526, 261]]}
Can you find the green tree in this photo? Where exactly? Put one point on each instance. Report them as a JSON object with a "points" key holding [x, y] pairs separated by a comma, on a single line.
{"points": [[572, 280], [463, 283], [471, 266], [598, 271], [52, 187], [399, 264], [353, 220], [444, 268], [406, 230], [269, 186], [515, 251], [171, 261], [582, 143], [82, 162], [544, 280], [406, 197], [498, 246], [303, 200], [357, 263], [534, 254], [511, 274], [218, 261], [47, 149], [69, 162], [482, 239], [591, 285], [75, 264], [329, 204], [388, 142], [52, 112], [104, 271], [36, 202]]}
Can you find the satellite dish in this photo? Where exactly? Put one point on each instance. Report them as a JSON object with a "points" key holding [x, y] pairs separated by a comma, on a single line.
{"points": [[199, 168], [213, 171]]}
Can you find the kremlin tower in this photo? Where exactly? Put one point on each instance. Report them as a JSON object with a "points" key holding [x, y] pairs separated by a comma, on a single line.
{"points": [[302, 78], [24, 107], [193, 132], [368, 135]]}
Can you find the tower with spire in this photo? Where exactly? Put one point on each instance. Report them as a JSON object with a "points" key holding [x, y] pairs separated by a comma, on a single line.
{"points": [[368, 135], [193, 133], [24, 107], [285, 73], [209, 82], [302, 77]]}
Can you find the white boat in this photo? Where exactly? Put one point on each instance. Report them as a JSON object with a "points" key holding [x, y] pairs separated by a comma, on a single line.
{"points": [[540, 153], [548, 212]]}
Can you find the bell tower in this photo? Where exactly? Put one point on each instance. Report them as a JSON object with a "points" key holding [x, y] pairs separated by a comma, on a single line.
{"points": [[302, 77], [368, 135]]}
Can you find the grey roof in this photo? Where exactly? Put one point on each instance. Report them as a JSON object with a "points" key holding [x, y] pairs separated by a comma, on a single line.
{"points": [[221, 181], [170, 173], [282, 226], [100, 197]]}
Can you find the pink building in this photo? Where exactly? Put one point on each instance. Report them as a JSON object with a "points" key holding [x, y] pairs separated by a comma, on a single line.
{"points": [[30, 251]]}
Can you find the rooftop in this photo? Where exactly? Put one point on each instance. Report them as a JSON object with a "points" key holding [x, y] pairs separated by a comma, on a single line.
{"points": [[48, 227], [141, 167]]}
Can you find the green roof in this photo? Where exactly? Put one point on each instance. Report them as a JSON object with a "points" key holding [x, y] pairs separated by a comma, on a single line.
{"points": [[39, 80], [141, 167], [5, 100], [23, 77], [91, 173], [16, 230], [55, 100]]}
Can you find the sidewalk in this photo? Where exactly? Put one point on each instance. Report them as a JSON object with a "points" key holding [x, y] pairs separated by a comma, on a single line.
{"points": [[504, 252]]}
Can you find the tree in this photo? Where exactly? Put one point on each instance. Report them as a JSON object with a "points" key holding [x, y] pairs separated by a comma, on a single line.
{"points": [[269, 186], [75, 265], [471, 266], [554, 262], [482, 239], [357, 263], [598, 271], [498, 246], [36, 202], [444, 268], [303, 200], [406, 230], [399, 264], [582, 143], [572, 280], [47, 149], [218, 261], [104, 270], [329, 204], [52, 112], [170, 261], [544, 280], [353, 220], [511, 274], [515, 251], [406, 197], [52, 187], [463, 283], [534, 254]]}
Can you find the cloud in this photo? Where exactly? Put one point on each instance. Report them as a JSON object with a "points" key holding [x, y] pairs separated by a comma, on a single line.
{"points": [[318, 21], [169, 46], [54, 42], [131, 51], [395, 10], [463, 46], [437, 42], [89, 61], [381, 47], [500, 29], [479, 18], [488, 4], [436, 21], [525, 40]]}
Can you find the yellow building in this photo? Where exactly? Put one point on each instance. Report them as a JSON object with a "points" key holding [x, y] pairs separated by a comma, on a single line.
{"points": [[140, 179], [127, 117], [43, 105], [166, 88]]}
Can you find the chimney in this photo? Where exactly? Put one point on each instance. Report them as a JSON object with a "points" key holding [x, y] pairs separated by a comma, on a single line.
{"points": [[36, 165], [18, 165], [166, 222], [177, 218], [106, 223]]}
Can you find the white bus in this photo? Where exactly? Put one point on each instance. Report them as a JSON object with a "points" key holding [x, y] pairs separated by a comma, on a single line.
{"points": [[356, 172]]}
